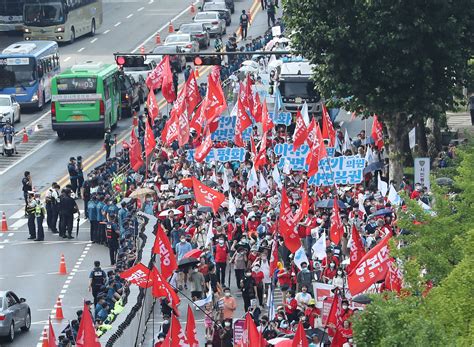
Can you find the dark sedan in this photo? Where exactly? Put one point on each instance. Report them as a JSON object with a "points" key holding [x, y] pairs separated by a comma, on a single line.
{"points": [[15, 314], [198, 32]]}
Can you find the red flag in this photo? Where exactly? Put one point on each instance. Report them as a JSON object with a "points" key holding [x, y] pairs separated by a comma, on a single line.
{"points": [[300, 339], [310, 140], [357, 249], [204, 148], [257, 109], [216, 73], [335, 313], [152, 105], [274, 258], [253, 149], [135, 153], [248, 99], [243, 121], [287, 224], [179, 108], [155, 78], [261, 157], [170, 131], [193, 97], [301, 132], [304, 207], [394, 278], [86, 336], [198, 120], [191, 329], [337, 229], [150, 141], [328, 127], [162, 246], [317, 152], [252, 337], [167, 86], [51, 336], [372, 267], [139, 275], [377, 133], [175, 336], [267, 123], [161, 288], [207, 196], [215, 102]]}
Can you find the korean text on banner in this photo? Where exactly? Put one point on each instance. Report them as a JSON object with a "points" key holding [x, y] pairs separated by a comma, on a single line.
{"points": [[422, 171]]}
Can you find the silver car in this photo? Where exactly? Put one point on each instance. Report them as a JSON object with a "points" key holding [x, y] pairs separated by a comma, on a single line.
{"points": [[9, 109], [213, 22], [184, 41], [14, 314]]}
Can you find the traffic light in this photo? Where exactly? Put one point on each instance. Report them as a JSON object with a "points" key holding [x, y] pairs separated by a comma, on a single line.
{"points": [[207, 60], [130, 60]]}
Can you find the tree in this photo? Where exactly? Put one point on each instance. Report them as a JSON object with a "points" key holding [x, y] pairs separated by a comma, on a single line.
{"points": [[401, 60]]}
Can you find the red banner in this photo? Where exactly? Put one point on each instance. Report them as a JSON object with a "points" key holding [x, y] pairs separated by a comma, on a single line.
{"points": [[155, 78], [170, 132], [162, 246], [243, 121], [287, 224], [150, 141], [337, 229], [377, 133], [136, 160], [139, 275], [207, 196], [152, 105], [204, 148], [357, 249], [301, 132], [193, 98]]}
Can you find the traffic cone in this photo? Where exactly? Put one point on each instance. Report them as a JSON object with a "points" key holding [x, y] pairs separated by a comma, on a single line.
{"points": [[193, 9], [4, 223], [171, 28], [142, 50], [158, 39], [135, 119], [196, 72], [25, 136], [62, 266], [59, 310], [45, 338]]}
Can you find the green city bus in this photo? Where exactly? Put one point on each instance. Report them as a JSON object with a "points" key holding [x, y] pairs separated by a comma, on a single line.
{"points": [[86, 97]]}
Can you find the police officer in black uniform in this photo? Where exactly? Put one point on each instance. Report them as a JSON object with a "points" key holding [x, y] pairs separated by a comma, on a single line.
{"points": [[97, 279], [73, 174], [27, 187], [112, 233], [67, 208], [30, 213]]}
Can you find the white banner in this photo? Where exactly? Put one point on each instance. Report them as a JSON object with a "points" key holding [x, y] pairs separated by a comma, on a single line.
{"points": [[412, 138], [422, 171]]}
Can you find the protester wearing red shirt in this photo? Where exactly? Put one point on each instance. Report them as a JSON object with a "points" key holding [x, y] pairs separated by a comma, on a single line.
{"points": [[221, 253], [291, 306], [258, 275], [329, 272], [284, 279], [312, 313]]}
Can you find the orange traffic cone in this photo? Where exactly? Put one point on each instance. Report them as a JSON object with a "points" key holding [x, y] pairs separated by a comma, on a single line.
{"points": [[158, 39], [62, 266], [4, 223], [171, 28], [59, 310], [142, 50], [45, 338], [193, 9], [196, 72], [25, 136]]}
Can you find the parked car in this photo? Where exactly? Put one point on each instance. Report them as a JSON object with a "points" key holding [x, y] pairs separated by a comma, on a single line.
{"points": [[198, 32], [185, 42], [9, 108], [214, 24], [130, 94], [228, 3], [224, 12], [178, 62], [15, 314]]}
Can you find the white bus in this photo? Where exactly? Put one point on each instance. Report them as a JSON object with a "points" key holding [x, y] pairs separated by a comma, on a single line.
{"points": [[61, 20], [11, 15]]}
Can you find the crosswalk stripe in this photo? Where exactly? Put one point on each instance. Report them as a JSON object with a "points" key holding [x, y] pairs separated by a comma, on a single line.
{"points": [[19, 223], [18, 214]]}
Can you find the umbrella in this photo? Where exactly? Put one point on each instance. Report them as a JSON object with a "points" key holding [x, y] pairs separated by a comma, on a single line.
{"points": [[444, 181], [250, 63], [195, 253], [183, 197], [328, 203], [210, 183], [362, 299], [141, 192], [248, 69], [381, 212], [204, 209], [166, 212], [373, 167], [187, 262]]}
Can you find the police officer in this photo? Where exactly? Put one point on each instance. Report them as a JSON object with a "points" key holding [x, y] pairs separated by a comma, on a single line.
{"points": [[40, 211], [67, 208], [92, 213], [27, 187], [30, 213], [97, 279], [100, 221], [112, 234], [108, 142], [80, 176], [51, 199], [244, 23], [73, 174]]}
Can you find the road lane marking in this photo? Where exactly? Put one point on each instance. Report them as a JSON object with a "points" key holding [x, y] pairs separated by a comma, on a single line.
{"points": [[80, 49], [37, 148], [130, 15], [106, 32], [22, 276], [18, 214], [67, 59], [19, 223], [94, 40], [151, 2], [140, 9], [117, 24]]}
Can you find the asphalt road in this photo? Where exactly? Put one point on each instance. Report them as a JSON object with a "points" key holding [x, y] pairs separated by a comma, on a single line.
{"points": [[30, 268]]}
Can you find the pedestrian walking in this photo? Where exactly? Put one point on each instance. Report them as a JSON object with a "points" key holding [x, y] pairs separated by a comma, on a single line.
{"points": [[40, 212], [27, 184], [67, 208], [30, 213], [97, 278], [73, 174], [244, 23], [271, 10], [108, 142], [249, 289], [221, 255], [112, 234]]}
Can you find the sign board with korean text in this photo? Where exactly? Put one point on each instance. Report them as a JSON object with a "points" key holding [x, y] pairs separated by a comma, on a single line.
{"points": [[226, 129], [327, 303], [422, 171], [220, 154], [322, 291], [239, 325], [281, 118]]}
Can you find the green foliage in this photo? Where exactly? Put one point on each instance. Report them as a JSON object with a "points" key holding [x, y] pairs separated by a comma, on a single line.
{"points": [[442, 247]]}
